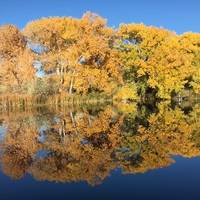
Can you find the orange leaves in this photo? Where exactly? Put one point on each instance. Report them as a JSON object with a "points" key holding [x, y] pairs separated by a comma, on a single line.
{"points": [[82, 47], [16, 63], [81, 144], [85, 55], [11, 41], [46, 31]]}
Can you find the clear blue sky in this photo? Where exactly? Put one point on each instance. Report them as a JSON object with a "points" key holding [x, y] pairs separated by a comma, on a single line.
{"points": [[177, 15]]}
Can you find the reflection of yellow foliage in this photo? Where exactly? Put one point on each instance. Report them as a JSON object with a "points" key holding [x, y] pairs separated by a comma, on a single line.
{"points": [[87, 145], [174, 130], [127, 108], [126, 92], [15, 166]]}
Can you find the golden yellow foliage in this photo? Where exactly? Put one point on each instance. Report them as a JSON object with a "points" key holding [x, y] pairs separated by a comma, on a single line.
{"points": [[85, 56]]}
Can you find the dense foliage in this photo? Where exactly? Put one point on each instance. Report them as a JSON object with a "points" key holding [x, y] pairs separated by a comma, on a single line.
{"points": [[72, 145], [64, 55]]}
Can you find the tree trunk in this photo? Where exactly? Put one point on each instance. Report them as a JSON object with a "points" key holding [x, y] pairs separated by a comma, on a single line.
{"points": [[71, 83]]}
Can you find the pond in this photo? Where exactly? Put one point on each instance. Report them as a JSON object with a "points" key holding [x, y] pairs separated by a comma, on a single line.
{"points": [[149, 151]]}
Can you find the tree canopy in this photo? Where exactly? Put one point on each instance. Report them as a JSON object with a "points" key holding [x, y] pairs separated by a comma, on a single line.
{"points": [[65, 55]]}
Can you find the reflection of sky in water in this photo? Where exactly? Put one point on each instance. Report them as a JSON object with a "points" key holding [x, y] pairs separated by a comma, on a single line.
{"points": [[179, 181], [41, 137], [2, 132], [56, 119], [84, 141], [41, 154]]}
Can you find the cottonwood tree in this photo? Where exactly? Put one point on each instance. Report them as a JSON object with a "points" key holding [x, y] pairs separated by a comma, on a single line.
{"points": [[79, 52], [16, 60]]}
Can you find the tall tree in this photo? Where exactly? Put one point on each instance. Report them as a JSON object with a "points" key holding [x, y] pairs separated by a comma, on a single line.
{"points": [[79, 52], [15, 59]]}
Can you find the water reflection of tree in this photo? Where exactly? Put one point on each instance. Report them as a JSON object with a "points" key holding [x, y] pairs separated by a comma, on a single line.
{"points": [[19, 144], [85, 145], [169, 132]]}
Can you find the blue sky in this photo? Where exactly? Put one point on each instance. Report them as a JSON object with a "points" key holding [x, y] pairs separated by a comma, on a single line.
{"points": [[177, 15]]}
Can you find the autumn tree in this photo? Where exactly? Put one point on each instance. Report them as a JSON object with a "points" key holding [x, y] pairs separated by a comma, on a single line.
{"points": [[15, 60], [78, 51], [84, 56], [159, 59], [191, 42], [137, 44], [169, 68]]}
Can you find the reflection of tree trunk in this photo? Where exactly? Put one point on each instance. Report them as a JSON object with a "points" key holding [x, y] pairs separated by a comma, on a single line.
{"points": [[72, 119], [17, 132], [62, 74], [61, 129], [73, 122], [89, 121], [58, 71], [71, 83]]}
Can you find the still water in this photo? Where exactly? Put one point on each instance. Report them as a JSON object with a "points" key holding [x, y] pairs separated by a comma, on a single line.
{"points": [[101, 152]]}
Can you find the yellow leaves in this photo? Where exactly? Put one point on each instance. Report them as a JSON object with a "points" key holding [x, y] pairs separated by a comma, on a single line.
{"points": [[24, 65], [171, 66], [18, 71], [152, 83], [102, 58], [82, 46], [127, 92], [196, 85], [91, 21], [82, 140], [167, 59], [148, 37], [15, 60], [93, 78], [11, 41], [191, 44], [141, 72], [71, 29], [127, 108], [46, 31], [171, 131]]}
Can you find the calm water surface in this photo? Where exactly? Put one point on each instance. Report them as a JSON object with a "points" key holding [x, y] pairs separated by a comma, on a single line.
{"points": [[101, 152]]}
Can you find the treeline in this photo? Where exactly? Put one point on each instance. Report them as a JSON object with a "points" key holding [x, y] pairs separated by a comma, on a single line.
{"points": [[64, 55]]}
